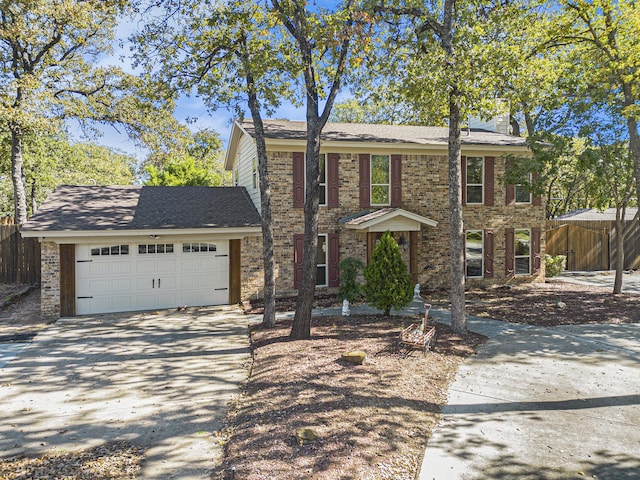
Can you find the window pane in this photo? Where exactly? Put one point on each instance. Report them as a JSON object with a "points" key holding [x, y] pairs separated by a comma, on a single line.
{"points": [[160, 248], [95, 251], [115, 250], [168, 248], [474, 253], [522, 242], [522, 195], [474, 268], [379, 169], [380, 195], [322, 195], [186, 247], [321, 256], [522, 266], [321, 276], [323, 170], [151, 249], [474, 170], [142, 249], [104, 251], [212, 247], [124, 249], [474, 194]]}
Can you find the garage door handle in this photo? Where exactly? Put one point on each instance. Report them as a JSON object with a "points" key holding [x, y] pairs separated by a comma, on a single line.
{"points": [[221, 289], [153, 283], [158, 283], [222, 255], [84, 261], [80, 298]]}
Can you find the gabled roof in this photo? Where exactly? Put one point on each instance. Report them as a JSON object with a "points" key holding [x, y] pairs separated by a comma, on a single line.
{"points": [[590, 214], [361, 132], [128, 208], [367, 220]]}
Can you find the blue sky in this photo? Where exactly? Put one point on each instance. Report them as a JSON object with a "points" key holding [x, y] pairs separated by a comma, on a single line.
{"points": [[187, 107]]}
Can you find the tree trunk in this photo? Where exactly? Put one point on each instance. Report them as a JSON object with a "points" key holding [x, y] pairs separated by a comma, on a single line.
{"points": [[301, 327], [634, 146], [18, 176], [269, 292], [458, 320], [617, 284]]}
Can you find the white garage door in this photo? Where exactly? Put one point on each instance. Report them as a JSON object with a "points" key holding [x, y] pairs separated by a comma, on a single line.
{"points": [[120, 277]]}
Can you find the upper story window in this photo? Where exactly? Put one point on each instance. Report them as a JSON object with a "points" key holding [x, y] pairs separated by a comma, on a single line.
{"points": [[111, 250], [322, 186], [523, 195], [254, 172], [523, 251], [380, 179], [474, 253], [475, 180]]}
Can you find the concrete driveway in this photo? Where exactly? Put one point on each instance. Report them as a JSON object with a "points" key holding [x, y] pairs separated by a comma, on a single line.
{"points": [[605, 279], [161, 380], [542, 403]]}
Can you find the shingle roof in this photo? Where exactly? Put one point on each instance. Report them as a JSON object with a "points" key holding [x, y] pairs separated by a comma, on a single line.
{"points": [[586, 214], [86, 208], [360, 132]]}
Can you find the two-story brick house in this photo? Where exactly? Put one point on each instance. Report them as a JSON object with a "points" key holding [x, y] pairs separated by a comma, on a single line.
{"points": [[113, 249], [387, 177]]}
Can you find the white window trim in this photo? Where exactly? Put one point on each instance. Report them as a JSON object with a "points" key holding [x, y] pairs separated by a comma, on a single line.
{"points": [[481, 255], [371, 184], [481, 185], [326, 260], [515, 193], [516, 256]]}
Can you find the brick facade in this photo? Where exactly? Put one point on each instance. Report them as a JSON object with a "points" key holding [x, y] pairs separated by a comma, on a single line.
{"points": [[50, 280], [424, 192]]}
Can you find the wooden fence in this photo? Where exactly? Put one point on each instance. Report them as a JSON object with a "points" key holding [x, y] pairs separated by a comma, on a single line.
{"points": [[19, 257], [591, 245]]}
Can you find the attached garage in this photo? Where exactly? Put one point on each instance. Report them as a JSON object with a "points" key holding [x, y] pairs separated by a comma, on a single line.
{"points": [[144, 248]]}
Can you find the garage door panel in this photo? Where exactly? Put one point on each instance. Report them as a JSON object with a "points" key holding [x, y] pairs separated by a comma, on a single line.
{"points": [[98, 268], [121, 285], [167, 265], [146, 265], [121, 268]]}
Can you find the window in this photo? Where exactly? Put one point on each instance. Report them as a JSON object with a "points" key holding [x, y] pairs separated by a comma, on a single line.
{"points": [[475, 180], [523, 252], [322, 186], [111, 250], [523, 195], [474, 253], [254, 173], [150, 248], [380, 179], [198, 247], [321, 257]]}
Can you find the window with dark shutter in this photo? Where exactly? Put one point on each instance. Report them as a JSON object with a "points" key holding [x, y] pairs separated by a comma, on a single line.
{"points": [[536, 233], [396, 181], [334, 259], [488, 253], [489, 180], [298, 252], [365, 180], [333, 180], [509, 255], [298, 179]]}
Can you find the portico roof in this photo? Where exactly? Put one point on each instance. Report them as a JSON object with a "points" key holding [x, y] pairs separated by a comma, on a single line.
{"points": [[392, 219]]}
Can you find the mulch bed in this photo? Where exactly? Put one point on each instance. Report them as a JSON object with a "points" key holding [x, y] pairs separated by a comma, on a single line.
{"points": [[371, 420]]}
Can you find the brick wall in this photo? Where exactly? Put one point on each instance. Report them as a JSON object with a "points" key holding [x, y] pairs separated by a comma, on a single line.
{"points": [[50, 283], [424, 192]]}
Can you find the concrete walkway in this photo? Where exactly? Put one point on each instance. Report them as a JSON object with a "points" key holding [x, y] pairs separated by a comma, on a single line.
{"points": [[604, 279], [542, 403], [161, 380]]}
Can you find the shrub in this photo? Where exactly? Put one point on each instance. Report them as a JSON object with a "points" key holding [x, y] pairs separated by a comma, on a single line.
{"points": [[350, 289], [554, 265], [387, 281]]}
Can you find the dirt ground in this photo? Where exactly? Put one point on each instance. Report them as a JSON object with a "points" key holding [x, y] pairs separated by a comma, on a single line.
{"points": [[370, 421]]}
